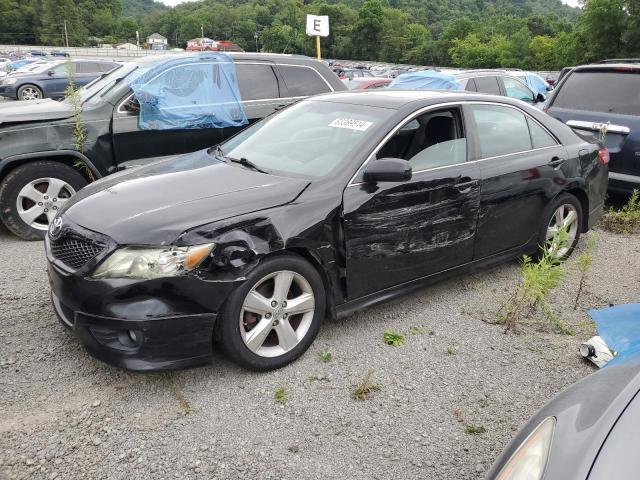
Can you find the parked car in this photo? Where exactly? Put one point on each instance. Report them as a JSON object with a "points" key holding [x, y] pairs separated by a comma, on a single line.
{"points": [[591, 98], [38, 144], [52, 82], [336, 203], [589, 431], [59, 53], [498, 83], [368, 84]]}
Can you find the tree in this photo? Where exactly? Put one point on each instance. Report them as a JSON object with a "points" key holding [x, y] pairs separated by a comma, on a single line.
{"points": [[368, 29]]}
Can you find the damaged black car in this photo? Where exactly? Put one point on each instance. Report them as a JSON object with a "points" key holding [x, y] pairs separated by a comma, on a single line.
{"points": [[334, 204]]}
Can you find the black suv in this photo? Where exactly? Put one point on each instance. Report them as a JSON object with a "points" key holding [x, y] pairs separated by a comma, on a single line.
{"points": [[599, 98], [40, 166]]}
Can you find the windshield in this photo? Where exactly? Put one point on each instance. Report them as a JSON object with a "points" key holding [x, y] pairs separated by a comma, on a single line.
{"points": [[310, 138], [103, 84]]}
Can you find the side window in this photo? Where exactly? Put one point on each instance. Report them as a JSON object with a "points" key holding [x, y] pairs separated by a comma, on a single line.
{"points": [[487, 85], [433, 139], [515, 89], [257, 82], [539, 136], [501, 130], [302, 81], [62, 69], [85, 67]]}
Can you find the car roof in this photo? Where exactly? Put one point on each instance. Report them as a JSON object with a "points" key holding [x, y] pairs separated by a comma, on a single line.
{"points": [[248, 56], [397, 99], [608, 66]]}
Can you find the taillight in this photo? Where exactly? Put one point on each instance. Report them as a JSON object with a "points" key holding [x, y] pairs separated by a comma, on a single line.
{"points": [[603, 156]]}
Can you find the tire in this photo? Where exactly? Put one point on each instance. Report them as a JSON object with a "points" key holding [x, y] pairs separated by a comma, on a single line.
{"points": [[29, 92], [569, 204], [269, 353], [23, 192]]}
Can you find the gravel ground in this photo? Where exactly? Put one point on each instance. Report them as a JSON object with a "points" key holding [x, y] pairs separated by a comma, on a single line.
{"points": [[67, 416]]}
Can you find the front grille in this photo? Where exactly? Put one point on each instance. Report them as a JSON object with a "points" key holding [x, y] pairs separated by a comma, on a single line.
{"points": [[74, 250]]}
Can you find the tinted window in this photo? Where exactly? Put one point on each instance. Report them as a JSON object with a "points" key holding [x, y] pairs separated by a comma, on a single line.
{"points": [[487, 85], [614, 92], [539, 136], [516, 89], [471, 86], [303, 81], [256, 82], [86, 67], [501, 130]]}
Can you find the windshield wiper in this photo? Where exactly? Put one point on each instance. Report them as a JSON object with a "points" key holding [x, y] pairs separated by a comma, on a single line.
{"points": [[242, 161]]}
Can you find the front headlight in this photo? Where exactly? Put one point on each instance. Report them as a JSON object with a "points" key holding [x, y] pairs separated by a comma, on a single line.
{"points": [[9, 81], [148, 263], [530, 459]]}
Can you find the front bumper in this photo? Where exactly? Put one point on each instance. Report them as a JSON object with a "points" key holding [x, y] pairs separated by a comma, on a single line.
{"points": [[8, 91], [140, 325]]}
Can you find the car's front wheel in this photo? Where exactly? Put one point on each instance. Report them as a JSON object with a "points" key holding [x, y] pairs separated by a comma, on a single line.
{"points": [[274, 316], [32, 195], [29, 92]]}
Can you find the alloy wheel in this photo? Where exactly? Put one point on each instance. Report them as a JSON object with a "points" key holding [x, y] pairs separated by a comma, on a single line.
{"points": [[277, 313], [40, 200], [565, 217], [30, 93]]}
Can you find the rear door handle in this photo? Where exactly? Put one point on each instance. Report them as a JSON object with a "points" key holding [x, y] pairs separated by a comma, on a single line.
{"points": [[556, 162], [465, 184]]}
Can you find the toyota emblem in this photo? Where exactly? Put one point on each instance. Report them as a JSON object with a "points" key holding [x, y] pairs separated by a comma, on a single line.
{"points": [[55, 228]]}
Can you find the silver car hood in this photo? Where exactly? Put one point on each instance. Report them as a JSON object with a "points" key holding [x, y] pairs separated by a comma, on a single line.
{"points": [[34, 110]]}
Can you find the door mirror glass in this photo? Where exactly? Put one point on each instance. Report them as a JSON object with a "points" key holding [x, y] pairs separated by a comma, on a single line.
{"points": [[540, 98], [388, 170]]}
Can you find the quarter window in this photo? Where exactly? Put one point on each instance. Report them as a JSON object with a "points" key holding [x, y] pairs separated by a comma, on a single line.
{"points": [[539, 136], [257, 82], [302, 81], [501, 130]]}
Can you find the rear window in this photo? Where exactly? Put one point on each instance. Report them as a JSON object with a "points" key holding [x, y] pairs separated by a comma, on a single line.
{"points": [[606, 91]]}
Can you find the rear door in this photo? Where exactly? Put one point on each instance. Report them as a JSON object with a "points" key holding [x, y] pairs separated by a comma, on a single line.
{"points": [[589, 98]]}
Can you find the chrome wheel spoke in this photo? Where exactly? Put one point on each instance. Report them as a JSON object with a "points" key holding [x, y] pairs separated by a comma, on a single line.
{"points": [[29, 216], [301, 304], [287, 337], [569, 220], [55, 187], [258, 334], [30, 192], [257, 303], [552, 232], [51, 214], [282, 285]]}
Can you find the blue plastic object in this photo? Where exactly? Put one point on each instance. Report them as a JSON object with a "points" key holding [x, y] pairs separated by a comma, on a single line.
{"points": [[425, 79], [619, 327], [536, 83], [196, 91]]}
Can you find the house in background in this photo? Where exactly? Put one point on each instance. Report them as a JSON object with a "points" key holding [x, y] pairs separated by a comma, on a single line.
{"points": [[210, 45], [157, 42]]}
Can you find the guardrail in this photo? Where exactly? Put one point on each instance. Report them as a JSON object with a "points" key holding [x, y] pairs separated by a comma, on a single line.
{"points": [[88, 51]]}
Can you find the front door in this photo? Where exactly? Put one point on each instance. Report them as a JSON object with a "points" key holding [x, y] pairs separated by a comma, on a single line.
{"points": [[398, 232]]}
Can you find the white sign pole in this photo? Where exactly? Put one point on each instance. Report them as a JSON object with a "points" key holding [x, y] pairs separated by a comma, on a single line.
{"points": [[318, 26]]}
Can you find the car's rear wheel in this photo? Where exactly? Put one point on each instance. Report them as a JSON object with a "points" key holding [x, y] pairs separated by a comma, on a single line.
{"points": [[29, 92], [564, 213], [33, 194], [274, 316]]}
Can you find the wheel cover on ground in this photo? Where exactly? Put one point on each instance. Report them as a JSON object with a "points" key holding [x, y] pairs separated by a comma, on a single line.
{"points": [[40, 200], [277, 313], [30, 93], [564, 217]]}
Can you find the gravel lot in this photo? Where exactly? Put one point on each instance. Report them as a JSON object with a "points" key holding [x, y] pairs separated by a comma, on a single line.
{"points": [[67, 416]]}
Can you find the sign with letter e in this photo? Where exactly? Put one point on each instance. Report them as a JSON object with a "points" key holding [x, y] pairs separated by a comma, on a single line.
{"points": [[318, 25]]}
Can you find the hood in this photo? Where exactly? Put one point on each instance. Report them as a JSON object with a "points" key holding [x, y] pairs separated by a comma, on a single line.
{"points": [[153, 205], [34, 110]]}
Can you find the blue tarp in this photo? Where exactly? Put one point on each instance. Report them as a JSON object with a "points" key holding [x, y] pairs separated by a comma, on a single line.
{"points": [[619, 327], [195, 91], [425, 79], [536, 83]]}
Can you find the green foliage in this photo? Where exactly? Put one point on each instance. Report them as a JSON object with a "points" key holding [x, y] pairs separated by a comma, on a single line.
{"points": [[393, 338], [325, 356], [72, 97], [416, 331], [625, 220], [474, 429], [537, 279], [366, 387], [584, 261], [451, 351], [281, 396]]}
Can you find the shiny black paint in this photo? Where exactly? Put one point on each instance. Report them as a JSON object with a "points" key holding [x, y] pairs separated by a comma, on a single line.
{"points": [[370, 241]]}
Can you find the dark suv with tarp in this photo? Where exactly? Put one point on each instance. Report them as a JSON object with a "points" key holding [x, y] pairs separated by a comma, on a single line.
{"points": [[603, 100], [140, 112]]}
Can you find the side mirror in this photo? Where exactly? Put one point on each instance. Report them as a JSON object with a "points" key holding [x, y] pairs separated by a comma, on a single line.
{"points": [[50, 73], [540, 98], [388, 170]]}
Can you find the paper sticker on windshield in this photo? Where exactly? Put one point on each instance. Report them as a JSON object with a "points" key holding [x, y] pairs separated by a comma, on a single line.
{"points": [[351, 124]]}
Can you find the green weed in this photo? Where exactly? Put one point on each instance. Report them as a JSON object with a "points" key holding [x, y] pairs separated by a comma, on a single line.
{"points": [[365, 387], [627, 219], [393, 338]]}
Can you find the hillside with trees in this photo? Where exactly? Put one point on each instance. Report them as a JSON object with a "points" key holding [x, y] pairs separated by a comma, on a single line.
{"points": [[536, 34]]}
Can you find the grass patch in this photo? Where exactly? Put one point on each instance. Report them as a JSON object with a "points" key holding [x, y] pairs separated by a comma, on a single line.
{"points": [[416, 331], [474, 429], [281, 396], [584, 261], [366, 387], [325, 356], [393, 338], [625, 220], [451, 351]]}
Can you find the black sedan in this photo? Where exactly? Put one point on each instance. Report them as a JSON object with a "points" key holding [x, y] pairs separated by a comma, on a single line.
{"points": [[589, 431], [334, 204]]}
